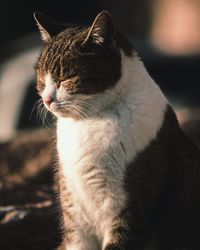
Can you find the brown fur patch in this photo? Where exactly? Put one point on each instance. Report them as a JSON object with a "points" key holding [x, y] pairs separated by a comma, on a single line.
{"points": [[163, 190], [95, 67]]}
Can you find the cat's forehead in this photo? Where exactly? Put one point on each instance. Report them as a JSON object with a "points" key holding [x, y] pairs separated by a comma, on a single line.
{"points": [[60, 51], [70, 36], [69, 40], [64, 56]]}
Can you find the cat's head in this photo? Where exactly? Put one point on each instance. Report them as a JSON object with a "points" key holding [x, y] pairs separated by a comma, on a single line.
{"points": [[77, 63]]}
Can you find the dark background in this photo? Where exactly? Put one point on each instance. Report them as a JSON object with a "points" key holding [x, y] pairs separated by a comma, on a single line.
{"points": [[16, 17], [133, 19], [178, 75]]}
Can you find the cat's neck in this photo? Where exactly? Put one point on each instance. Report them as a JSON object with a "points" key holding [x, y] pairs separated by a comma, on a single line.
{"points": [[135, 90], [134, 112]]}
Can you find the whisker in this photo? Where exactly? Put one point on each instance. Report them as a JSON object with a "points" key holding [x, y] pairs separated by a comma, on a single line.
{"points": [[35, 106], [42, 113], [46, 120], [81, 113], [74, 112], [81, 104], [40, 110], [75, 109], [88, 112], [86, 104]]}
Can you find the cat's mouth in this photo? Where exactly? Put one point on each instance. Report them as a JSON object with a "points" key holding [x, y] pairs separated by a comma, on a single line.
{"points": [[76, 108], [55, 107]]}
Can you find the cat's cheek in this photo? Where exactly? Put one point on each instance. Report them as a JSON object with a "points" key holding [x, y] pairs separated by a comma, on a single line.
{"points": [[54, 106], [61, 94]]}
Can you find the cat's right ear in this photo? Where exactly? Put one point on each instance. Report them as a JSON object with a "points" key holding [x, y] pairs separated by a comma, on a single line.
{"points": [[47, 26], [102, 31]]}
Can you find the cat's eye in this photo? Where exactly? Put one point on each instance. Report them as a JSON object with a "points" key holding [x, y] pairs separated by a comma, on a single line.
{"points": [[69, 80]]}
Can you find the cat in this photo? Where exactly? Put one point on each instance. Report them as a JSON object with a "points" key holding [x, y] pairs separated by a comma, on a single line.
{"points": [[128, 177]]}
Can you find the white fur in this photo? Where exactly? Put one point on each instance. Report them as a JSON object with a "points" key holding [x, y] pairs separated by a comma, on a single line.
{"points": [[50, 87], [91, 152]]}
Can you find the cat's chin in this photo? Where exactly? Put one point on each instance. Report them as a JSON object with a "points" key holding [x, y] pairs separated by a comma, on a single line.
{"points": [[55, 110], [66, 114], [62, 113], [50, 107], [53, 107]]}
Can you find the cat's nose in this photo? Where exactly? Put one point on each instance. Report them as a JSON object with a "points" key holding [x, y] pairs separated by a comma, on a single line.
{"points": [[48, 101]]}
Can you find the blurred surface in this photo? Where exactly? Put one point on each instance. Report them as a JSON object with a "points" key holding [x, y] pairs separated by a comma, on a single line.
{"points": [[29, 209], [28, 206], [175, 27]]}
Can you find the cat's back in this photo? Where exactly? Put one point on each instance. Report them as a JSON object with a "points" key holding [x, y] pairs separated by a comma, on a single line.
{"points": [[176, 214]]}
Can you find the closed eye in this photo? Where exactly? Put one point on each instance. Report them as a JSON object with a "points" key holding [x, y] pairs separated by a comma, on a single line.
{"points": [[66, 81], [70, 81]]}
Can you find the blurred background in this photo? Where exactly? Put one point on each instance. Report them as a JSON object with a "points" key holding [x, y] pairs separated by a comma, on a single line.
{"points": [[166, 33]]}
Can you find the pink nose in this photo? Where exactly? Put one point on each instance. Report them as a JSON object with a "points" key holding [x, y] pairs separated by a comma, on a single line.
{"points": [[48, 101]]}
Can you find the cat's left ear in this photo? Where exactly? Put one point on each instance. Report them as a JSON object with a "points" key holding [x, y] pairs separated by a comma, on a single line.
{"points": [[47, 26], [102, 30]]}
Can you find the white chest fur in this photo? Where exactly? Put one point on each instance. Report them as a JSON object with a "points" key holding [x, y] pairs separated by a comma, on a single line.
{"points": [[94, 163], [94, 152]]}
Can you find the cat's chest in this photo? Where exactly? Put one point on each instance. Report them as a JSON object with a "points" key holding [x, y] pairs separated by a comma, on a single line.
{"points": [[91, 142], [93, 163], [90, 149]]}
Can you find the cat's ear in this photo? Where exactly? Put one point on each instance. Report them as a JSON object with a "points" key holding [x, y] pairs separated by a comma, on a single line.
{"points": [[47, 26], [102, 30]]}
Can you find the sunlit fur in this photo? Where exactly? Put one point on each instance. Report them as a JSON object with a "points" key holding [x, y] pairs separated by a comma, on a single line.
{"points": [[127, 175], [95, 151]]}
